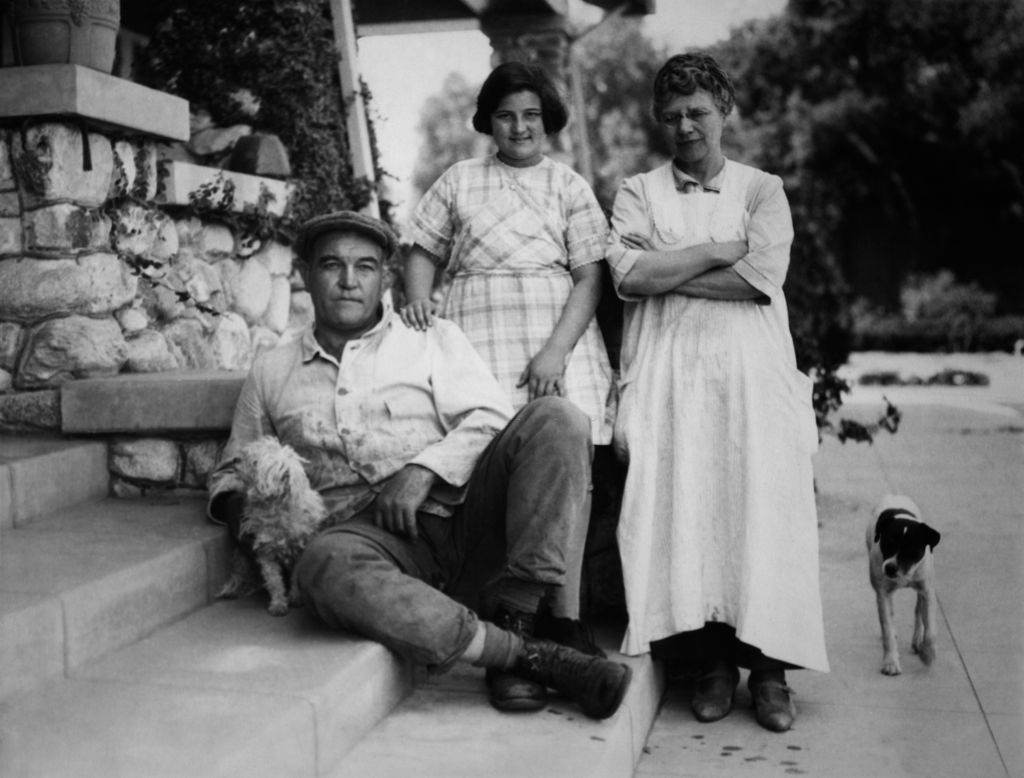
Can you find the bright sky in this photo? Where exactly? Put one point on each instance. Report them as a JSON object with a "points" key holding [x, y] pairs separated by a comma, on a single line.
{"points": [[403, 70]]}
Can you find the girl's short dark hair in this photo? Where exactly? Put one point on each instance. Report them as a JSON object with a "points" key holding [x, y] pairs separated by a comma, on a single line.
{"points": [[684, 74], [512, 77]]}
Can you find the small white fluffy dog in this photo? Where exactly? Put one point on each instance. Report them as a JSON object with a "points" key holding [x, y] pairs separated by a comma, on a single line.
{"points": [[280, 514]]}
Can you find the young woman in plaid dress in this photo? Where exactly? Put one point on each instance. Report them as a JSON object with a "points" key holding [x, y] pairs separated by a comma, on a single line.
{"points": [[520, 237]]}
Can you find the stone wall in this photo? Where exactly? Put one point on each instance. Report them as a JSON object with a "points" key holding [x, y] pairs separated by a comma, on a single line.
{"points": [[101, 273], [97, 278]]}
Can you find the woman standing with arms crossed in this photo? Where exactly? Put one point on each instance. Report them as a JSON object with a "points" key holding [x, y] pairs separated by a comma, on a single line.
{"points": [[520, 237], [718, 530]]}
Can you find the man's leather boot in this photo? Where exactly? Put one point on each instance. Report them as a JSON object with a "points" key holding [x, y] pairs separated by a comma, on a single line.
{"points": [[596, 685], [507, 690]]}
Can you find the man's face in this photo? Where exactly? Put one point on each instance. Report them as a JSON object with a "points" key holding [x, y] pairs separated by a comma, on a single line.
{"points": [[345, 278]]}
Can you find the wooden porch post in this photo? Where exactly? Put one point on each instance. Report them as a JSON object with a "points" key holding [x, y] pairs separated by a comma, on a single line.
{"points": [[351, 91]]}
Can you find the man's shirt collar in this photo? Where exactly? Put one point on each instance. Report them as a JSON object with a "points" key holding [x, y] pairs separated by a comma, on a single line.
{"points": [[311, 347]]}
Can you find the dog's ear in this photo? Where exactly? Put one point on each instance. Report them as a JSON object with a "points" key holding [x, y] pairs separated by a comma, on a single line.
{"points": [[885, 518], [931, 536]]}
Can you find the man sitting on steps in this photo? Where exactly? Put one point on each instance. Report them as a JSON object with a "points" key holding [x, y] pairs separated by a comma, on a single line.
{"points": [[432, 488]]}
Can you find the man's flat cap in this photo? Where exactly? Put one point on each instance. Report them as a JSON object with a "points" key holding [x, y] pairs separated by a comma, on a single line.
{"points": [[345, 221]]}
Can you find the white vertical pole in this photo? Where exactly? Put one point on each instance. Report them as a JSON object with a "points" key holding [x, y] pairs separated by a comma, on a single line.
{"points": [[351, 92]]}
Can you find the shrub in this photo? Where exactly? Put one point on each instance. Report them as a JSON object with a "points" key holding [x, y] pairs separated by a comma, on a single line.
{"points": [[283, 55]]}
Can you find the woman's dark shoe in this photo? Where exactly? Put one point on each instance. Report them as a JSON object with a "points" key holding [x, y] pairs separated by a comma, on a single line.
{"points": [[712, 699], [596, 685], [508, 690], [773, 705]]}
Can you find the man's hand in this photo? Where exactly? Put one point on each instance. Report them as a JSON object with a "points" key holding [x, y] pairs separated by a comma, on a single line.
{"points": [[396, 505]]}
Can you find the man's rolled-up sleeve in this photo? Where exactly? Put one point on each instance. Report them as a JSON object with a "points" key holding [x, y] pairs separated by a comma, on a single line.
{"points": [[251, 421], [769, 237], [470, 404]]}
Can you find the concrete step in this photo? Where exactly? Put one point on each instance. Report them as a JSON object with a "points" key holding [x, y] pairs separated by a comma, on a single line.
{"points": [[40, 476], [226, 691], [447, 729], [98, 576]]}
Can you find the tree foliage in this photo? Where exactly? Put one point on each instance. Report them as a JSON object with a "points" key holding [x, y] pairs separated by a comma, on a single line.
{"points": [[282, 53], [897, 125], [445, 129]]}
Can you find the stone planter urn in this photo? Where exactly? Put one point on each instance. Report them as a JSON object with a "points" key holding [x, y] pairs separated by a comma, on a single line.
{"points": [[77, 32]]}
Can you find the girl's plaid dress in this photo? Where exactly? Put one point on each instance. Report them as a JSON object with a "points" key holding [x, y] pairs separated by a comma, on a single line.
{"points": [[508, 238]]}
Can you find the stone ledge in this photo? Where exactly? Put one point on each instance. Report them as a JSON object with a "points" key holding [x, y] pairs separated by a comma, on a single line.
{"points": [[72, 90], [171, 402], [182, 178]]}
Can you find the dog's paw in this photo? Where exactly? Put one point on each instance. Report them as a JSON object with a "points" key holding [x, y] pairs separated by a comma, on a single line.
{"points": [[278, 609], [926, 651], [891, 666]]}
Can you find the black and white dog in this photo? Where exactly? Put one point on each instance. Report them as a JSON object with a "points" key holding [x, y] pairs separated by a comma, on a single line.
{"points": [[900, 555]]}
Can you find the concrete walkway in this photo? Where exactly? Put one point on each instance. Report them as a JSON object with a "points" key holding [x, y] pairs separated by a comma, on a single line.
{"points": [[961, 717]]}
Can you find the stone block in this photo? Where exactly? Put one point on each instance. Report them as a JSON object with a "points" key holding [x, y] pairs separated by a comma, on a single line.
{"points": [[30, 411], [148, 352], [250, 291], [62, 228], [165, 243], [6, 172], [276, 257], [301, 314], [260, 154], [189, 344], [200, 460], [59, 350], [51, 165], [181, 401], [10, 344], [6, 380], [31, 641], [183, 178], [11, 235], [135, 170], [135, 229], [73, 90], [146, 459], [33, 463], [231, 343], [215, 242], [279, 307], [132, 319], [117, 729], [10, 204], [31, 289], [210, 141]]}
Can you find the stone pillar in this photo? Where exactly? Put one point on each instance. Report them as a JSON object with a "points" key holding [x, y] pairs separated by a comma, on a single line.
{"points": [[60, 282], [541, 39]]}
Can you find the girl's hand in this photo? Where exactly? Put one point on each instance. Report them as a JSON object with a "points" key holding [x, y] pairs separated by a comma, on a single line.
{"points": [[637, 241], [419, 314], [544, 375]]}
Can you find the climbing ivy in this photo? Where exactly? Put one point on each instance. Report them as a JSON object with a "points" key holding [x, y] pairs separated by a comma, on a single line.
{"points": [[282, 53]]}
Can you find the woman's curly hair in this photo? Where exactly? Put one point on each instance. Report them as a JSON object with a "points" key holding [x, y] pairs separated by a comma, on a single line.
{"points": [[684, 74]]}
